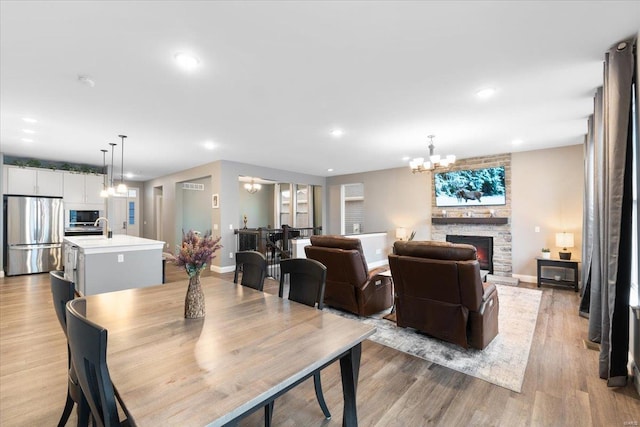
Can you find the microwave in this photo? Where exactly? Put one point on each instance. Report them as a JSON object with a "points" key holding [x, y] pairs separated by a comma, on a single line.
{"points": [[77, 217]]}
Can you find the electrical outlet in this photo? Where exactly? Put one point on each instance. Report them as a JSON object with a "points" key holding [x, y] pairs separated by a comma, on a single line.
{"points": [[215, 226], [378, 251], [120, 257], [231, 255], [231, 227], [536, 229]]}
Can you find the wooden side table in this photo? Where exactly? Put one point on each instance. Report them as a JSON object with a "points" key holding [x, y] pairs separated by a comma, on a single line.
{"points": [[561, 278]]}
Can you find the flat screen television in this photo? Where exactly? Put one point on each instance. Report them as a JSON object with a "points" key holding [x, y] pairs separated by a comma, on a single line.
{"points": [[476, 187]]}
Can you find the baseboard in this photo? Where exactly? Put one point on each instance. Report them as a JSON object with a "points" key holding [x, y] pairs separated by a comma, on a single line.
{"points": [[376, 264], [525, 278], [226, 269]]}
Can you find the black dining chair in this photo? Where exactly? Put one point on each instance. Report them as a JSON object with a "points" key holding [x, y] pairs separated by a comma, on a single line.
{"points": [[307, 279], [254, 269], [63, 291], [88, 344]]}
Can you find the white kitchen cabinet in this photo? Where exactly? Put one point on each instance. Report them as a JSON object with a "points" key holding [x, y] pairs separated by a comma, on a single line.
{"points": [[34, 182], [82, 188]]}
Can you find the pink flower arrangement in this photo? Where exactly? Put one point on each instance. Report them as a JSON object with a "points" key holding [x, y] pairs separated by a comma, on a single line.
{"points": [[196, 251]]}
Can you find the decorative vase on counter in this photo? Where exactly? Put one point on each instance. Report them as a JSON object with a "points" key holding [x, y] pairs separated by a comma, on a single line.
{"points": [[194, 301]]}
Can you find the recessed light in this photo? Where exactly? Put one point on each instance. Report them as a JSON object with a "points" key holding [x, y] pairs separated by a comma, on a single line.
{"points": [[186, 61], [329, 170], [486, 93], [209, 145], [27, 140], [129, 175], [517, 141], [337, 133], [29, 120], [29, 131]]}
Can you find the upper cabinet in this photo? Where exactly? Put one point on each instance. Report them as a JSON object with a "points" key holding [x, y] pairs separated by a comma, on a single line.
{"points": [[33, 182], [81, 188], [75, 188]]}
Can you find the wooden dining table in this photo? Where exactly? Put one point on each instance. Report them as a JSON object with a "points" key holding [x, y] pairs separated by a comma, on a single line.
{"points": [[250, 348]]}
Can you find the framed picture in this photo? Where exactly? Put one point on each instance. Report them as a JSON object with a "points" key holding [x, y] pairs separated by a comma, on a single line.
{"points": [[215, 201]]}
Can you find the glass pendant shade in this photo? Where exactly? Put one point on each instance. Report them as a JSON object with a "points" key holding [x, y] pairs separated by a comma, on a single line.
{"points": [[121, 189]]}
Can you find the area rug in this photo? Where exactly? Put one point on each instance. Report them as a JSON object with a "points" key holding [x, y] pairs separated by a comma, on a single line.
{"points": [[502, 363]]}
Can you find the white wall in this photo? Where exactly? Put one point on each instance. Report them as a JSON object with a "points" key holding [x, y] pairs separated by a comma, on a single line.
{"points": [[258, 207], [224, 182], [196, 206], [547, 192], [392, 198]]}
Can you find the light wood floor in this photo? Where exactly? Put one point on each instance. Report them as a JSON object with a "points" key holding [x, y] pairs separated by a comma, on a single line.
{"points": [[561, 386]]}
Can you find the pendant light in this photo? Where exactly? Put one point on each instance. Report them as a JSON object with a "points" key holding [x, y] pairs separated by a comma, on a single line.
{"points": [[104, 192], [122, 188], [111, 191]]}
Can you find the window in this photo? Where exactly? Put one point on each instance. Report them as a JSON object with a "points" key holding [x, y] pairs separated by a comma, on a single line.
{"points": [[352, 208], [284, 204], [132, 213], [304, 206]]}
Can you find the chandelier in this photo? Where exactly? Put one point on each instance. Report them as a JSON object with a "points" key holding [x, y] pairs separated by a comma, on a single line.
{"points": [[419, 165], [252, 187]]}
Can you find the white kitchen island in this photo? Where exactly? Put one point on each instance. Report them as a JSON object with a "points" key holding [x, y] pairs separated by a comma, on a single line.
{"points": [[97, 264]]}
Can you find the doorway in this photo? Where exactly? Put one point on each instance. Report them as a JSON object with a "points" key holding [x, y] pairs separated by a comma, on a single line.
{"points": [[125, 213]]}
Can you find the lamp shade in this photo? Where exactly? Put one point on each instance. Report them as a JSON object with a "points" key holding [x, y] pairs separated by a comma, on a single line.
{"points": [[401, 233], [564, 240]]}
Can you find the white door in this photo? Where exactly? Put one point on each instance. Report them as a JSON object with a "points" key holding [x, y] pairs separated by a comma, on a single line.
{"points": [[124, 214]]}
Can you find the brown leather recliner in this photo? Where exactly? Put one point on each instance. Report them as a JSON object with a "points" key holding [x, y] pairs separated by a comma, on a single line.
{"points": [[439, 291], [350, 285]]}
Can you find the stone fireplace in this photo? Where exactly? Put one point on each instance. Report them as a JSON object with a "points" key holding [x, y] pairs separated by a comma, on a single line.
{"points": [[483, 245], [469, 221]]}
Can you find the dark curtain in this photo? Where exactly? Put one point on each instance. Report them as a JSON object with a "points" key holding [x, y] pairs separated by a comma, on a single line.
{"points": [[608, 214]]}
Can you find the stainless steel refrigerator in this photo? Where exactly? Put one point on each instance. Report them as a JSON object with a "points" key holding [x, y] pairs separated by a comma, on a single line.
{"points": [[34, 229]]}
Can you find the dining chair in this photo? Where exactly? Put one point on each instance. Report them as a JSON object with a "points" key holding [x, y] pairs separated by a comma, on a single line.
{"points": [[307, 279], [63, 291], [88, 344], [254, 269]]}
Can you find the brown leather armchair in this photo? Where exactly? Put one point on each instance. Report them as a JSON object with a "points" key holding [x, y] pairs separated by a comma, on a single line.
{"points": [[439, 291], [350, 285]]}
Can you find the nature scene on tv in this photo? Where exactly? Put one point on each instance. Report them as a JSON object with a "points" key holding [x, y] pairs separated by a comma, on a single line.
{"points": [[478, 187]]}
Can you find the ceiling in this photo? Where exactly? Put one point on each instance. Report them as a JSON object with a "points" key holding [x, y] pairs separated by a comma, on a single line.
{"points": [[275, 78]]}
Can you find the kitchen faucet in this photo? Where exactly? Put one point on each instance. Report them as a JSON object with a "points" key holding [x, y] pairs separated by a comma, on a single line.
{"points": [[107, 230]]}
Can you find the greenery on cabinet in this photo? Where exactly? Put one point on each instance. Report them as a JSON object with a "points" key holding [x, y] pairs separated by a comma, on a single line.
{"points": [[54, 165]]}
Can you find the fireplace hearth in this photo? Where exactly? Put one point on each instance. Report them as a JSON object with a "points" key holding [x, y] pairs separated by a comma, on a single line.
{"points": [[484, 248]]}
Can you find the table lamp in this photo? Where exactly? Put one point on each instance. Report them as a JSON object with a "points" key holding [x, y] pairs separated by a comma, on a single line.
{"points": [[401, 233], [564, 241]]}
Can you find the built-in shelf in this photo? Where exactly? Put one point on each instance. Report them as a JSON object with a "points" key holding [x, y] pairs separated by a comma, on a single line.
{"points": [[470, 220]]}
